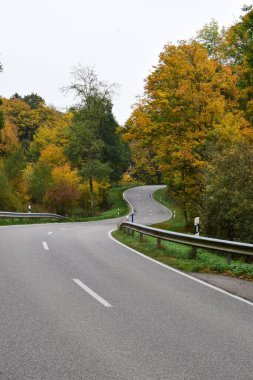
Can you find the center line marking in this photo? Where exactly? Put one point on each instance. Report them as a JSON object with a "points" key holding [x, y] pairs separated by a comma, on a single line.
{"points": [[45, 246], [49, 233], [91, 293]]}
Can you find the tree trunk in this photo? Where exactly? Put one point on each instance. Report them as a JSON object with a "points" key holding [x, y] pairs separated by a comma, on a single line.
{"points": [[186, 219], [91, 195]]}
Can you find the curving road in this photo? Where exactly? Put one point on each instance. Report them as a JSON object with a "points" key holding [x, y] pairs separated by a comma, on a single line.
{"points": [[146, 209], [77, 305]]}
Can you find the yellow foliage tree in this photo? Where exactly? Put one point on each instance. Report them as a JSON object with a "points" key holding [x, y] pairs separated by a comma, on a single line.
{"points": [[100, 195], [53, 155], [51, 132], [9, 137], [65, 191], [186, 96]]}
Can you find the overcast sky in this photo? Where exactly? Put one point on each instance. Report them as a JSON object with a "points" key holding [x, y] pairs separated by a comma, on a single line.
{"points": [[41, 40]]}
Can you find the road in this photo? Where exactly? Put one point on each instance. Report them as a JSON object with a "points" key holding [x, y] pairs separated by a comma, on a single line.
{"points": [[146, 210], [77, 305]]}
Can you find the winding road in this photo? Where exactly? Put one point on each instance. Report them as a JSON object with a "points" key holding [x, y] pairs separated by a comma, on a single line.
{"points": [[75, 304]]}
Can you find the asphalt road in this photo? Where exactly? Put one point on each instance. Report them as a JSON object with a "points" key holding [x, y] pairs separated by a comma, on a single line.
{"points": [[77, 305], [146, 209]]}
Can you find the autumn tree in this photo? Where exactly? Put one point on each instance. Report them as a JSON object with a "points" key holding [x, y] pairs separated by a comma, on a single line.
{"points": [[9, 138], [32, 144], [53, 131], [47, 150], [93, 144], [29, 120], [19, 113], [139, 132], [64, 191], [185, 96], [53, 155]]}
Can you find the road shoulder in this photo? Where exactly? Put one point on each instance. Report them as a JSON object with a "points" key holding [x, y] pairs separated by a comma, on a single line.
{"points": [[236, 286]]}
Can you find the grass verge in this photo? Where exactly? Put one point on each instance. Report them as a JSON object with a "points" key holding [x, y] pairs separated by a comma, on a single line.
{"points": [[18, 221], [179, 256], [118, 206], [177, 222]]}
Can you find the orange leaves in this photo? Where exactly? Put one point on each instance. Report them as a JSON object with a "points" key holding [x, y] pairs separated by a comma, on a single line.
{"points": [[9, 137]]}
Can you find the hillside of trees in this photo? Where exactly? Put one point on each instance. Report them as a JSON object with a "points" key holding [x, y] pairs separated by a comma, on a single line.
{"points": [[192, 130], [60, 162]]}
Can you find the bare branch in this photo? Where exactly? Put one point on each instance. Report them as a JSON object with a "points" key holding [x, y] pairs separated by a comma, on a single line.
{"points": [[85, 84]]}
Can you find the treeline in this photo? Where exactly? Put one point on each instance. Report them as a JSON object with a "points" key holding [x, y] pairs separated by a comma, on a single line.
{"points": [[193, 128], [60, 162]]}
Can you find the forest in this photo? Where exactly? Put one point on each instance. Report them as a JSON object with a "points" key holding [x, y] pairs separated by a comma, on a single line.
{"points": [[191, 130], [61, 162]]}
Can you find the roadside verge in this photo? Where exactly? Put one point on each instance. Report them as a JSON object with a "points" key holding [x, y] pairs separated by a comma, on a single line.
{"points": [[237, 289]]}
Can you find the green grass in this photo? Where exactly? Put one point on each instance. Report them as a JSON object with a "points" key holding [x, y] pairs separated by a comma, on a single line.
{"points": [[179, 256], [17, 221], [177, 222], [118, 206]]}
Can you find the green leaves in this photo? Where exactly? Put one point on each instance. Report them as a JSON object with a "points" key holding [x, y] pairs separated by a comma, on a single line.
{"points": [[228, 207]]}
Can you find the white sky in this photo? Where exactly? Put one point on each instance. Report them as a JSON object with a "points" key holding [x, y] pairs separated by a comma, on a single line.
{"points": [[41, 40]]}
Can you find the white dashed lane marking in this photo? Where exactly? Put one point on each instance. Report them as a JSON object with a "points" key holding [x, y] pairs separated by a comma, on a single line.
{"points": [[45, 246], [92, 293]]}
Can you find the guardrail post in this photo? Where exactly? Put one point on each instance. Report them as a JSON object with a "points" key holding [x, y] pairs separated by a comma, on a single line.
{"points": [[141, 237], [229, 258], [159, 245], [194, 253]]}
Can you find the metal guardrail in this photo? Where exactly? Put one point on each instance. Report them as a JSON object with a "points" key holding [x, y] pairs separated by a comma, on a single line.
{"points": [[225, 246], [8, 214]]}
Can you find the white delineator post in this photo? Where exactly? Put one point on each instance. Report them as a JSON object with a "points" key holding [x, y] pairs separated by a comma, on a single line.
{"points": [[196, 225]]}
